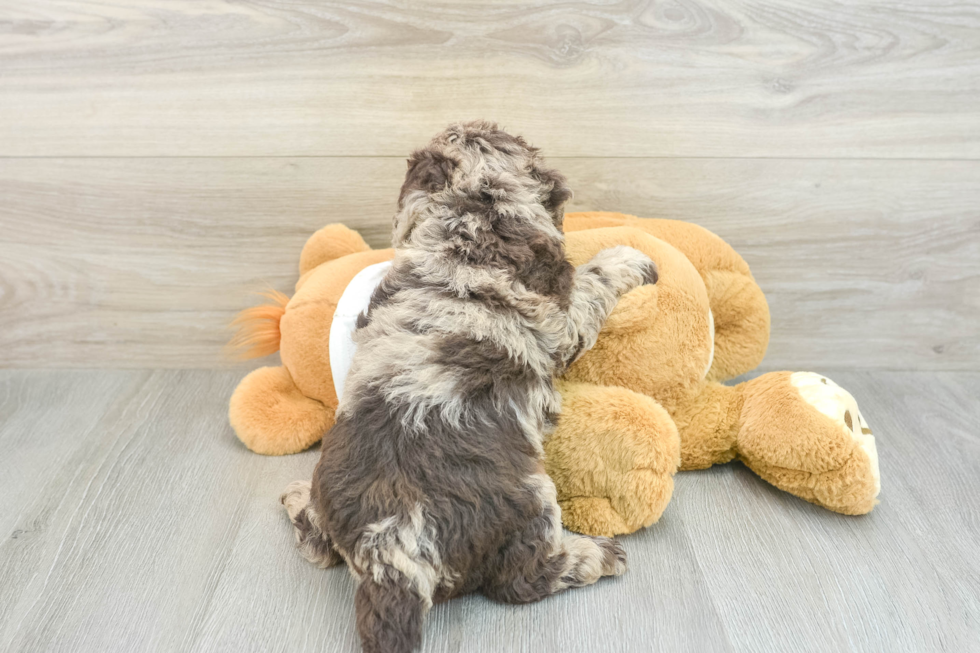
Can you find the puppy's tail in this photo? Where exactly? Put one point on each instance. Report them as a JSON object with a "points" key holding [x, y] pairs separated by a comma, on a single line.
{"points": [[258, 328], [389, 613]]}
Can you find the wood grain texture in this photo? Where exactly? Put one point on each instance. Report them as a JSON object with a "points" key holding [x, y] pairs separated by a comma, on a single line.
{"points": [[133, 520], [731, 78], [142, 262]]}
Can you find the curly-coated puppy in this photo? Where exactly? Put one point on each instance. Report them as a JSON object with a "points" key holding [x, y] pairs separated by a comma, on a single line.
{"points": [[430, 484]]}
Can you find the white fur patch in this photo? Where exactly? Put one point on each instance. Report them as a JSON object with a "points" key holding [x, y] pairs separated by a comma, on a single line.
{"points": [[834, 402], [547, 494], [584, 558], [408, 545], [295, 497]]}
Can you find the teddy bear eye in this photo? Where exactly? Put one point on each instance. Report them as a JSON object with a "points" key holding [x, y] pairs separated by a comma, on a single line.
{"points": [[847, 419]]}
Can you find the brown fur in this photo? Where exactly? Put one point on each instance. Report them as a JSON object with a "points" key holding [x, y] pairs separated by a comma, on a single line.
{"points": [[429, 484]]}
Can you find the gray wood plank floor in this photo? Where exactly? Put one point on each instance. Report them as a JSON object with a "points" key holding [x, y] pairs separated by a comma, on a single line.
{"points": [[132, 520]]}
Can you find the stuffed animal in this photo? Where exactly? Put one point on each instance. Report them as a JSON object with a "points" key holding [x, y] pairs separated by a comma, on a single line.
{"points": [[645, 401]]}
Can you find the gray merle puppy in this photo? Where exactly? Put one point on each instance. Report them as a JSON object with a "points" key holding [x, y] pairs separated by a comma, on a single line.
{"points": [[430, 483]]}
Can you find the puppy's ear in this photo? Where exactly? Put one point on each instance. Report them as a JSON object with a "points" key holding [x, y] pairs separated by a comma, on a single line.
{"points": [[554, 193], [429, 171]]}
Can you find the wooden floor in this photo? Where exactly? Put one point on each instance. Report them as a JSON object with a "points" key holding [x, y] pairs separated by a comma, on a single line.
{"points": [[133, 520]]}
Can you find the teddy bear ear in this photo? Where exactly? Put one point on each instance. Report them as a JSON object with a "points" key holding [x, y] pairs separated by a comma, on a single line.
{"points": [[329, 243]]}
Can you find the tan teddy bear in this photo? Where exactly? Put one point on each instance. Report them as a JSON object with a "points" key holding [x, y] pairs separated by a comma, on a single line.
{"points": [[645, 401]]}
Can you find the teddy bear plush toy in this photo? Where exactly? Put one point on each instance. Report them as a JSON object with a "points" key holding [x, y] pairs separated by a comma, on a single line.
{"points": [[646, 401]]}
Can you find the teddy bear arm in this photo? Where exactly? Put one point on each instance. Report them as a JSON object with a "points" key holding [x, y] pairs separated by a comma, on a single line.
{"points": [[741, 323], [612, 458], [708, 420], [738, 305]]}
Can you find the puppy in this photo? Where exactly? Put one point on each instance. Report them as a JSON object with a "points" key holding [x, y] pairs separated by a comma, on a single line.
{"points": [[430, 483]]}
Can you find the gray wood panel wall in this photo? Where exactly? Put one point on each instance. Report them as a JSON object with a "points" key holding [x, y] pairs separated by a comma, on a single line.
{"points": [[159, 161]]}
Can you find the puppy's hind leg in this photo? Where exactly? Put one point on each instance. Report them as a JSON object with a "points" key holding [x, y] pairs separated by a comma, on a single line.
{"points": [[540, 561], [312, 542]]}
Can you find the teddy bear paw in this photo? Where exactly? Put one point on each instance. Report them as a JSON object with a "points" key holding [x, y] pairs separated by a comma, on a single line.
{"points": [[838, 405]]}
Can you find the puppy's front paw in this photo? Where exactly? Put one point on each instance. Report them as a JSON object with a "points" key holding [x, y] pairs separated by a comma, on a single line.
{"points": [[650, 272], [624, 267]]}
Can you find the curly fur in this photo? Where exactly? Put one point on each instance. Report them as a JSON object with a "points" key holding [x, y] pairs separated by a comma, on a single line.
{"points": [[431, 483]]}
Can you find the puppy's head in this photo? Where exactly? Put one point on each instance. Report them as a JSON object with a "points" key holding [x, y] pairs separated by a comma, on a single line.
{"points": [[477, 168]]}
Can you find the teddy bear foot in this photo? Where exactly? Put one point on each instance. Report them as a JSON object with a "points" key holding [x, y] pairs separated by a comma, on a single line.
{"points": [[272, 417], [593, 516]]}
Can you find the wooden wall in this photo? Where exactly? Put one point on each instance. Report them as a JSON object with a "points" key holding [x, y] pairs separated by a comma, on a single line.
{"points": [[160, 160]]}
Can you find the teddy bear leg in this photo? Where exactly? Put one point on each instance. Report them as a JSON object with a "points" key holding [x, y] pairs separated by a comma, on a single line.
{"points": [[612, 457], [272, 417], [806, 435]]}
